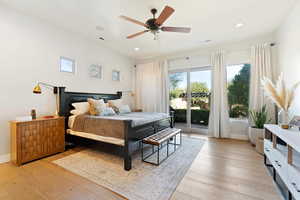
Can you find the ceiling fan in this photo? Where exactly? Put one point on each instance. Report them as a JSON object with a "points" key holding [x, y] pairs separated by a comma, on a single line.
{"points": [[153, 25]]}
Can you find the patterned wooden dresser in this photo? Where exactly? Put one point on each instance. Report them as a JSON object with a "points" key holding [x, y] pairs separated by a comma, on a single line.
{"points": [[31, 140]]}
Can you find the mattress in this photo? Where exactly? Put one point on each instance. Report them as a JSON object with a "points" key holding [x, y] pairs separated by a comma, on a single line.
{"points": [[92, 136]]}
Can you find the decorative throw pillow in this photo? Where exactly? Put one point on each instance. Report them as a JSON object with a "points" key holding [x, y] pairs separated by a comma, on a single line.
{"points": [[81, 107], [108, 111], [124, 109], [115, 104], [96, 106]]}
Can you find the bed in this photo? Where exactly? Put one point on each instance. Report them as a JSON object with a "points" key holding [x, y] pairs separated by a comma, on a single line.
{"points": [[125, 131]]}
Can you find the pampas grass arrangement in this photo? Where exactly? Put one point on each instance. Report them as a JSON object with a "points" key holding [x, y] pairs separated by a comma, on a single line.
{"points": [[279, 93], [281, 96]]}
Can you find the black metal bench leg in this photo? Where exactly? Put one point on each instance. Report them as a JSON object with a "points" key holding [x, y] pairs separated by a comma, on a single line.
{"points": [[175, 143], [158, 155], [168, 148], [142, 151], [127, 163], [274, 174], [290, 196]]}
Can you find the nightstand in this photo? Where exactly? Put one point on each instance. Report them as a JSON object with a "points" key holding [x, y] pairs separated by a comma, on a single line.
{"points": [[31, 140]]}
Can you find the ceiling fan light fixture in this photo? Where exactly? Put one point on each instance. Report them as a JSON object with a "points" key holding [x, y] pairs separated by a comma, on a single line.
{"points": [[154, 25]]}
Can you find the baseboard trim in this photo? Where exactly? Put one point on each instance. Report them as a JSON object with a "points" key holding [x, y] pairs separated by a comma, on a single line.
{"points": [[4, 158], [239, 137]]}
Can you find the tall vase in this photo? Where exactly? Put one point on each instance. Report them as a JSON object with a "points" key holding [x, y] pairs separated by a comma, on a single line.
{"points": [[283, 119]]}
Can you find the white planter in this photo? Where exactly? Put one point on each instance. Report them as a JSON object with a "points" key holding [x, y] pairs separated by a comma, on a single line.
{"points": [[255, 133]]}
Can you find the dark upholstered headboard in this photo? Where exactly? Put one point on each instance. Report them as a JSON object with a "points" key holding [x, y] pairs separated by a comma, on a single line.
{"points": [[67, 98]]}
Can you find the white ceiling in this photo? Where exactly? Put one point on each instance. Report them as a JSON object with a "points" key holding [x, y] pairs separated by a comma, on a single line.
{"points": [[209, 19]]}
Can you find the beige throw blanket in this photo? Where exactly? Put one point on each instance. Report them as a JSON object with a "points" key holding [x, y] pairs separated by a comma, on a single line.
{"points": [[114, 126], [99, 126]]}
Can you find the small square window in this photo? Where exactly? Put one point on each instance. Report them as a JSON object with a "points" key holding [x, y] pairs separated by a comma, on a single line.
{"points": [[116, 75], [67, 65]]}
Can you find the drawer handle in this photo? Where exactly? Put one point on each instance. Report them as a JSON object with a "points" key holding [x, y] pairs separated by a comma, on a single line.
{"points": [[278, 163], [267, 150], [295, 186]]}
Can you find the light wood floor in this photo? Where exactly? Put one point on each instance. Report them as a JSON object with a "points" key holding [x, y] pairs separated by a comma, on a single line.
{"points": [[224, 169], [227, 169]]}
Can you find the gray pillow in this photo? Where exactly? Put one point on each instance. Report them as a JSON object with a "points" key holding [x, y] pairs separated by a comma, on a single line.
{"points": [[107, 111], [123, 109]]}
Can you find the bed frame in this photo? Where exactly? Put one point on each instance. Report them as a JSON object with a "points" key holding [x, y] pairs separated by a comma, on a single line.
{"points": [[133, 135]]}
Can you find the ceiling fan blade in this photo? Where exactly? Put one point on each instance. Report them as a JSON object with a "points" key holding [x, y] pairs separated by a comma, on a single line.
{"points": [[176, 29], [136, 34], [164, 15], [134, 21]]}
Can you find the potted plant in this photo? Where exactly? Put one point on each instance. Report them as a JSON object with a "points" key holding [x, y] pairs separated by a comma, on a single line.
{"points": [[259, 118]]}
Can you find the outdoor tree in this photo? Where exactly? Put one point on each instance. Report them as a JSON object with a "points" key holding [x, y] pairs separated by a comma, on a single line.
{"points": [[199, 87], [175, 79], [238, 91]]}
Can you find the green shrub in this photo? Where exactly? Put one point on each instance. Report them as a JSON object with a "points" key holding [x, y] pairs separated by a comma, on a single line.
{"points": [[238, 111], [198, 116]]}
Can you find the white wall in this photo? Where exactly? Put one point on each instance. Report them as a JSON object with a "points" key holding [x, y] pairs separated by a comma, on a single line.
{"points": [[288, 37], [30, 51]]}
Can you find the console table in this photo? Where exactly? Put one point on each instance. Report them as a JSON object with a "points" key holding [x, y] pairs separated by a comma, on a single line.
{"points": [[282, 153]]}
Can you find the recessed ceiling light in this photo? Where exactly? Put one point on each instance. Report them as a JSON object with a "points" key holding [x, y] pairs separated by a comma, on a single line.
{"points": [[136, 49], [239, 25], [99, 28], [205, 41]]}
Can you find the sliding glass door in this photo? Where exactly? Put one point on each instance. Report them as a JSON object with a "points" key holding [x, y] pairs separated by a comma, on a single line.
{"points": [[190, 98]]}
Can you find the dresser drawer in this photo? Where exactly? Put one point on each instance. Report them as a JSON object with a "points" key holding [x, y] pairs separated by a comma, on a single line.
{"points": [[293, 182], [279, 162], [268, 149], [277, 159]]}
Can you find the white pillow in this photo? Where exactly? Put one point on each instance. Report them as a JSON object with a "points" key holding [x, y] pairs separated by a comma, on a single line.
{"points": [[76, 112], [81, 107], [118, 103], [107, 111], [124, 109]]}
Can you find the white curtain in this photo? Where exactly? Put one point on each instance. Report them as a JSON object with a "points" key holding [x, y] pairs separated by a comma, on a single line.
{"points": [[219, 125], [152, 87], [261, 66]]}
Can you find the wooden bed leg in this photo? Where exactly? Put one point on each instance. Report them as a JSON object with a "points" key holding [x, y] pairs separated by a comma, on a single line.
{"points": [[127, 163]]}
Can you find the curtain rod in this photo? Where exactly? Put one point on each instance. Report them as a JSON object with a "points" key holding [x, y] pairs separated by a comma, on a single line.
{"points": [[272, 44]]}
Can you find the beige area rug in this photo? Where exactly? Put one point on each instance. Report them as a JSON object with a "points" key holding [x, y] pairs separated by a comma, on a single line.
{"points": [[144, 181]]}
